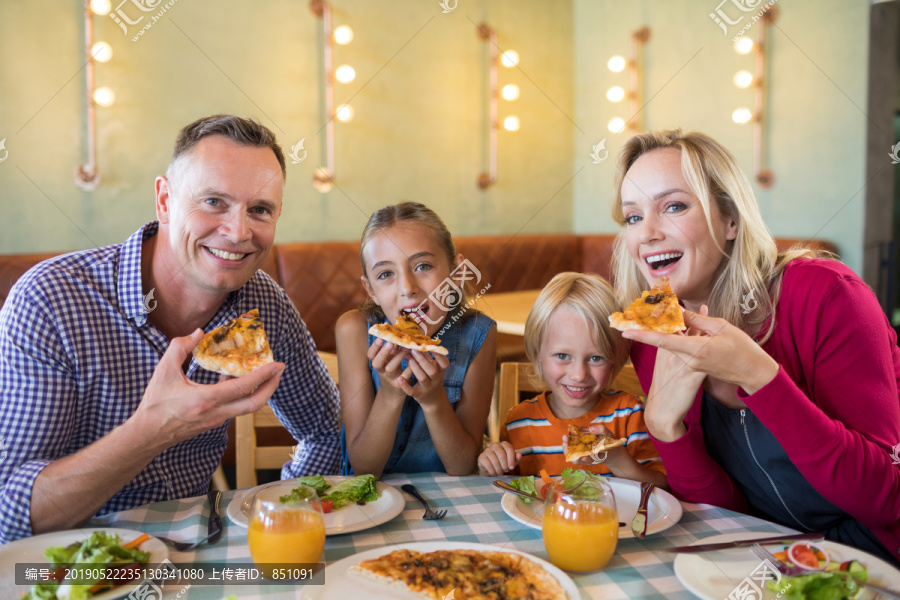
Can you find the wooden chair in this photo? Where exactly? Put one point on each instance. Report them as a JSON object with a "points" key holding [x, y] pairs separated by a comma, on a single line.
{"points": [[516, 378], [248, 455]]}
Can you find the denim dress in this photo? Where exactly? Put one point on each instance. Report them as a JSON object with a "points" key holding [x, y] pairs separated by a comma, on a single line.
{"points": [[413, 450]]}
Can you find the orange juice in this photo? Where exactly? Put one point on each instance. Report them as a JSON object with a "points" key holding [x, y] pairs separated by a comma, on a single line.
{"points": [[286, 536], [581, 537]]}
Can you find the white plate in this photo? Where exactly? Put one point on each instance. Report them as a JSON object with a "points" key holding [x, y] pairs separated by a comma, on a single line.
{"points": [[714, 575], [663, 510], [341, 586], [347, 519], [31, 550]]}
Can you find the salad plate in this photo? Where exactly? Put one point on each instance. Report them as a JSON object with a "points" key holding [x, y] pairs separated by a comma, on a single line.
{"points": [[341, 586], [714, 575], [347, 519], [663, 510], [31, 550]]}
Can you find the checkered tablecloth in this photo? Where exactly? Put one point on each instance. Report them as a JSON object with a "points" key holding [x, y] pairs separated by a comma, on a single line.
{"points": [[639, 569]]}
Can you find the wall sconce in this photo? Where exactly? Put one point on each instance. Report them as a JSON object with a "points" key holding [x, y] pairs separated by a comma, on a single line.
{"points": [[635, 66], [510, 93], [744, 79], [87, 176], [324, 177]]}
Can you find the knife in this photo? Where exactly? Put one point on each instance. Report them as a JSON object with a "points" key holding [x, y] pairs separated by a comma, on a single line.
{"points": [[214, 529], [788, 537], [639, 525], [507, 487]]}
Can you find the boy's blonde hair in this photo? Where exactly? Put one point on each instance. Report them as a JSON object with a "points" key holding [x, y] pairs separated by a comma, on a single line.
{"points": [[591, 297], [750, 275]]}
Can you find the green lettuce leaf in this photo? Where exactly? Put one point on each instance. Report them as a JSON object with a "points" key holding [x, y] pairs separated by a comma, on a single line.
{"points": [[360, 488], [525, 484], [815, 586], [317, 482]]}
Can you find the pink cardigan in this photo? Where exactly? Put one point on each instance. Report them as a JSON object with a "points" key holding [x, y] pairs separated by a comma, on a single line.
{"points": [[834, 405]]}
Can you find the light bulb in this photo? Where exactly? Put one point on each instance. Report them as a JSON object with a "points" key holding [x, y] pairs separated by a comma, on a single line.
{"points": [[615, 94], [510, 58], [616, 125], [743, 79], [345, 113], [343, 35], [102, 52], [322, 180], [744, 45], [510, 92], [511, 123], [104, 96], [345, 74], [616, 64], [741, 115], [101, 7]]}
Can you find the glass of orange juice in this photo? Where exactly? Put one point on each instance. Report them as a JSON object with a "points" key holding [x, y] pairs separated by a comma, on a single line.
{"points": [[581, 527], [282, 535]]}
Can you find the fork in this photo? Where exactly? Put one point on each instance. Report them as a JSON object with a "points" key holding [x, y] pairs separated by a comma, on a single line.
{"points": [[185, 546], [791, 570], [430, 515]]}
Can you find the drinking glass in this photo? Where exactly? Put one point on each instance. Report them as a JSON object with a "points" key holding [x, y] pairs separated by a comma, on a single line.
{"points": [[284, 534], [581, 527]]}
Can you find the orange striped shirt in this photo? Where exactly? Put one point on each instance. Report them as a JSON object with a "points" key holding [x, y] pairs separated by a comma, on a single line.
{"points": [[534, 431]]}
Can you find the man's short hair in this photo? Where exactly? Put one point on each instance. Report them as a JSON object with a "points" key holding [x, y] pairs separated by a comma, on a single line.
{"points": [[247, 132]]}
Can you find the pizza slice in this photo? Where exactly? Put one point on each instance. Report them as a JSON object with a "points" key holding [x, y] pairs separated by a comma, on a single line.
{"points": [[236, 348], [407, 333], [464, 573], [580, 444], [656, 310]]}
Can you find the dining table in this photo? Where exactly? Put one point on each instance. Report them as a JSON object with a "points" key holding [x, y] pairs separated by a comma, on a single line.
{"points": [[640, 568], [509, 309]]}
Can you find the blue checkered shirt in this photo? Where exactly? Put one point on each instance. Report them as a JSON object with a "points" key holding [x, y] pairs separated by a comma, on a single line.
{"points": [[77, 353]]}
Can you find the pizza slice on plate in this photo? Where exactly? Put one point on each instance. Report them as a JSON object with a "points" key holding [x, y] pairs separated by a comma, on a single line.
{"points": [[236, 348], [580, 444], [656, 310], [466, 573], [407, 333]]}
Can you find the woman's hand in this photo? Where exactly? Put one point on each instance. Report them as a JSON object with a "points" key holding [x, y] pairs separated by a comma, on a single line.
{"points": [[387, 359], [497, 459], [429, 371]]}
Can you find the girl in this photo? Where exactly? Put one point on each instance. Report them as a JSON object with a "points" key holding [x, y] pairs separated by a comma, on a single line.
{"points": [[577, 355], [409, 411], [772, 406]]}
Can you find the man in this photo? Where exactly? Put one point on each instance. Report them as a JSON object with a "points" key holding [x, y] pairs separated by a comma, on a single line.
{"points": [[101, 406]]}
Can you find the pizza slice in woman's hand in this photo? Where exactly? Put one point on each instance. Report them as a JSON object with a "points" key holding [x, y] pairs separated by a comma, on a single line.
{"points": [[656, 310], [236, 348]]}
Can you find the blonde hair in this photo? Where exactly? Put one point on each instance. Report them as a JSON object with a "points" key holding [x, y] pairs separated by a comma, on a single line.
{"points": [[589, 296], [747, 284], [406, 212]]}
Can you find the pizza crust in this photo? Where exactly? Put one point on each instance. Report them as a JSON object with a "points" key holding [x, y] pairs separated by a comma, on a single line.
{"points": [[236, 348], [407, 334]]}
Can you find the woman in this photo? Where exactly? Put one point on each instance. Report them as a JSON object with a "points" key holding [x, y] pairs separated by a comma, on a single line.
{"points": [[781, 400]]}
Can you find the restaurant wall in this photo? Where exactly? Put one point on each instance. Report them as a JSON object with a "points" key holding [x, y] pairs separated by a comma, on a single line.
{"points": [[816, 126], [419, 99]]}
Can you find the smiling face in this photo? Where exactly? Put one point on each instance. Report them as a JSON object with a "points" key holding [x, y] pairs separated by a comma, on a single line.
{"points": [[572, 365], [404, 264], [666, 229], [217, 216]]}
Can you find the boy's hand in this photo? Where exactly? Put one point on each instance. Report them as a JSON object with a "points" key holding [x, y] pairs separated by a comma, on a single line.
{"points": [[609, 457], [497, 459]]}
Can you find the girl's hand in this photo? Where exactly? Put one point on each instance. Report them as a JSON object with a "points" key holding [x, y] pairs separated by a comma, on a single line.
{"points": [[386, 360], [715, 348], [497, 459], [429, 371]]}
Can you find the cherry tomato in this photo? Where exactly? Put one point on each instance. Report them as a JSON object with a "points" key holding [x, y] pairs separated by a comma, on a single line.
{"points": [[546, 489], [327, 505]]}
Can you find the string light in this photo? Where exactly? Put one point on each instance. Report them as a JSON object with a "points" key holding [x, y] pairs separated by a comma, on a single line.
{"points": [[345, 113], [104, 96], [343, 35], [615, 94], [616, 125], [510, 58], [345, 74], [510, 92], [616, 64], [741, 115], [101, 7], [511, 123]]}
